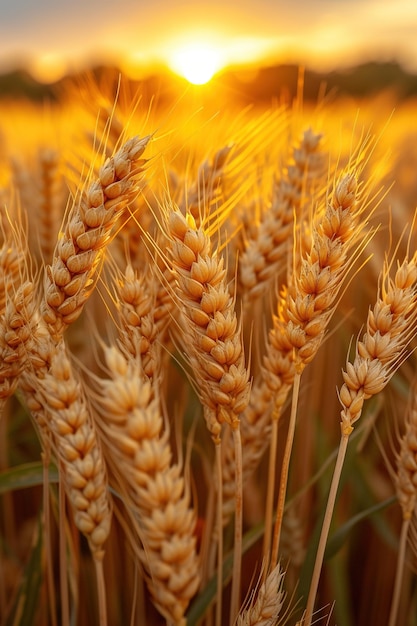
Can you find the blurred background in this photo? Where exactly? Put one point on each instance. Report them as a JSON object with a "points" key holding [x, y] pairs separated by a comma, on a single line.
{"points": [[254, 47]]}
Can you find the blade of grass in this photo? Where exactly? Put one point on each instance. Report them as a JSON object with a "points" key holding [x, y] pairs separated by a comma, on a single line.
{"points": [[26, 603], [24, 476]]}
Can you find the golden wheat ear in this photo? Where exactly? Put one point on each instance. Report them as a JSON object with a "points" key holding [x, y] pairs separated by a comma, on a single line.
{"points": [[266, 607], [390, 327], [264, 257], [89, 227], [305, 308], [139, 335], [81, 460], [213, 345], [16, 333], [156, 493]]}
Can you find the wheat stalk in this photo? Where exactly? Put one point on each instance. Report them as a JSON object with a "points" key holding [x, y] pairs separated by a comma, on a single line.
{"points": [[405, 485], [390, 326], [212, 342], [255, 430], [305, 309]]}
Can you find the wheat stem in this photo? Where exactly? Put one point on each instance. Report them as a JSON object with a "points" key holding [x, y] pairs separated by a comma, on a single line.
{"points": [[237, 558], [270, 494], [63, 575], [325, 529], [399, 573], [48, 537], [219, 521], [284, 471], [101, 590]]}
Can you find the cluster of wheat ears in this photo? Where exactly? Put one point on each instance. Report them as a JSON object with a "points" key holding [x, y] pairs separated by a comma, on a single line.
{"points": [[165, 293]]}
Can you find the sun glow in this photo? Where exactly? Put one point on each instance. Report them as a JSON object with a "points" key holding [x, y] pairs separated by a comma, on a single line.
{"points": [[197, 62]]}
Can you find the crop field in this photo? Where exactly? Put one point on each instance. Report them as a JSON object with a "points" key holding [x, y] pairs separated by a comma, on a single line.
{"points": [[207, 378]]}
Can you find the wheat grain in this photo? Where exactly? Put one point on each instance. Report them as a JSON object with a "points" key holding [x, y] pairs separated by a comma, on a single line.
{"points": [[309, 302]]}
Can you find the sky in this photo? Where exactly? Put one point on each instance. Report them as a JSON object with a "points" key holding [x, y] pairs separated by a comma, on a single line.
{"points": [[50, 37]]}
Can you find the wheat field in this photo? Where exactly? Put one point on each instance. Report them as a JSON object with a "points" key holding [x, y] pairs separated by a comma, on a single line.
{"points": [[208, 390]]}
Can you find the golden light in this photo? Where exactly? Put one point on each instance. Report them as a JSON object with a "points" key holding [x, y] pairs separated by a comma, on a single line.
{"points": [[196, 61]]}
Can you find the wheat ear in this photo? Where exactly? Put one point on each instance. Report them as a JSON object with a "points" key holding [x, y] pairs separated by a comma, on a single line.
{"points": [[265, 610], [405, 485], [140, 330], [307, 305], [265, 252], [50, 201], [133, 426], [88, 229], [206, 191], [16, 332], [13, 256], [390, 326], [213, 344], [80, 455]]}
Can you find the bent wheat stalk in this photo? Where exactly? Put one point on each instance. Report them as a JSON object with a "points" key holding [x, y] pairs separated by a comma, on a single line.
{"points": [[390, 326]]}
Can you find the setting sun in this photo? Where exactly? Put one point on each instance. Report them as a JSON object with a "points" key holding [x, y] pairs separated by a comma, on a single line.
{"points": [[197, 62]]}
